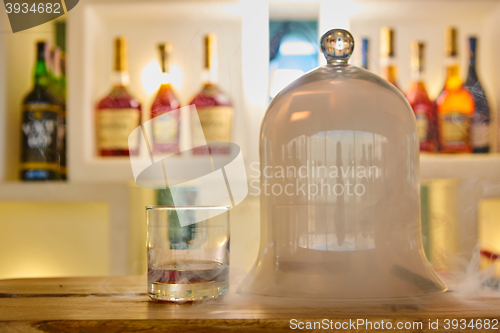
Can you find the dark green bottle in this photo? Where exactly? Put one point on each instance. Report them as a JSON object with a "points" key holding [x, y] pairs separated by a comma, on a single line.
{"points": [[40, 112], [181, 238], [57, 86]]}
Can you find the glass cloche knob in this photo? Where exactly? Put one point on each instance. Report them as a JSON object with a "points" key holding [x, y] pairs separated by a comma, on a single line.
{"points": [[337, 45]]}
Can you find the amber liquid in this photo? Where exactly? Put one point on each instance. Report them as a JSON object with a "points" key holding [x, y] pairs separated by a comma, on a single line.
{"points": [[389, 73], [166, 101], [188, 281], [456, 107]]}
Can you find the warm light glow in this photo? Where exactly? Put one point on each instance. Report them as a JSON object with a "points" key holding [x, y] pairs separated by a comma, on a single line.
{"points": [[296, 48], [152, 77], [300, 115], [282, 78]]}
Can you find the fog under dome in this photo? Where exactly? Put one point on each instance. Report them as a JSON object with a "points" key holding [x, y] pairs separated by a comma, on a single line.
{"points": [[340, 200]]}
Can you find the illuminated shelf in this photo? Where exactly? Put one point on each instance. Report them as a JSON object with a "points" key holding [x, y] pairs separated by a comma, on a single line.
{"points": [[243, 31], [466, 166], [91, 29]]}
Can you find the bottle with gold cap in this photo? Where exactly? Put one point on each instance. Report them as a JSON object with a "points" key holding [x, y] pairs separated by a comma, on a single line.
{"points": [[165, 108], [39, 125], [420, 102], [455, 104], [388, 55], [118, 114], [215, 109]]}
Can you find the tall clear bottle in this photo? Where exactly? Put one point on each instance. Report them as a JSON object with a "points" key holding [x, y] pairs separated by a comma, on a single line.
{"points": [[480, 126], [455, 104], [40, 112], [119, 113], [420, 102], [215, 109], [388, 56], [165, 128]]}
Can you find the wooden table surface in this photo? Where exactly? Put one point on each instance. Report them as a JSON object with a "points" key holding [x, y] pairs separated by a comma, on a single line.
{"points": [[120, 304]]}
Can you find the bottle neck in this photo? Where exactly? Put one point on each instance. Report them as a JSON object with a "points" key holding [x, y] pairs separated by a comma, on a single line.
{"points": [[389, 70], [364, 61], [453, 80], [417, 74], [210, 76], [120, 79], [41, 74], [472, 50], [472, 75], [364, 54], [165, 86]]}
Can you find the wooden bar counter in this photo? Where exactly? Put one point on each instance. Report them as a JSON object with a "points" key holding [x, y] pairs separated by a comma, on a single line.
{"points": [[120, 304]]}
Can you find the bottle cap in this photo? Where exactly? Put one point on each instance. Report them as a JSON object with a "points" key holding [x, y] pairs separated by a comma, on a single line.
{"points": [[41, 49], [121, 54], [451, 47], [337, 45], [165, 56], [387, 42], [417, 56], [210, 51]]}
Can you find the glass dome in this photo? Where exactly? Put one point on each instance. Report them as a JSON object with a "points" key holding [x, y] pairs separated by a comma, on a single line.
{"points": [[340, 192]]}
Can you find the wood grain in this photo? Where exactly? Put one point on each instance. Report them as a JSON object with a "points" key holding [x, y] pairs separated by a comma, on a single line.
{"points": [[119, 304]]}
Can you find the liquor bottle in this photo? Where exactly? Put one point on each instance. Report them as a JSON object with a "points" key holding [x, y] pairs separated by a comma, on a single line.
{"points": [[62, 129], [166, 128], [387, 55], [59, 92], [39, 153], [420, 102], [455, 104], [364, 53], [480, 126], [118, 114], [215, 109]]}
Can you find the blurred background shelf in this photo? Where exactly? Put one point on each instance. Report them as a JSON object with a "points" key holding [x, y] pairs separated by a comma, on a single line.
{"points": [[102, 191], [464, 166]]}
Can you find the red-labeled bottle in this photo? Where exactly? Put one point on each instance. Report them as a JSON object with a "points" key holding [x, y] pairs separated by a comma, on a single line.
{"points": [[420, 102], [165, 129], [215, 109], [119, 113]]}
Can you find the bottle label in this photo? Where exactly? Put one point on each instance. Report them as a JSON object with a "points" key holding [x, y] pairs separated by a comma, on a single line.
{"points": [[455, 128], [39, 137], [216, 123], [422, 126], [114, 126], [165, 128], [479, 135]]}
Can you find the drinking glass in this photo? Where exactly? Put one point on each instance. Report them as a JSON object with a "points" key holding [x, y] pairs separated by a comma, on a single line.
{"points": [[187, 260]]}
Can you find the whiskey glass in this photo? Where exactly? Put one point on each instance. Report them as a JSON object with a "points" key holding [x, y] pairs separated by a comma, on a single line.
{"points": [[191, 262]]}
